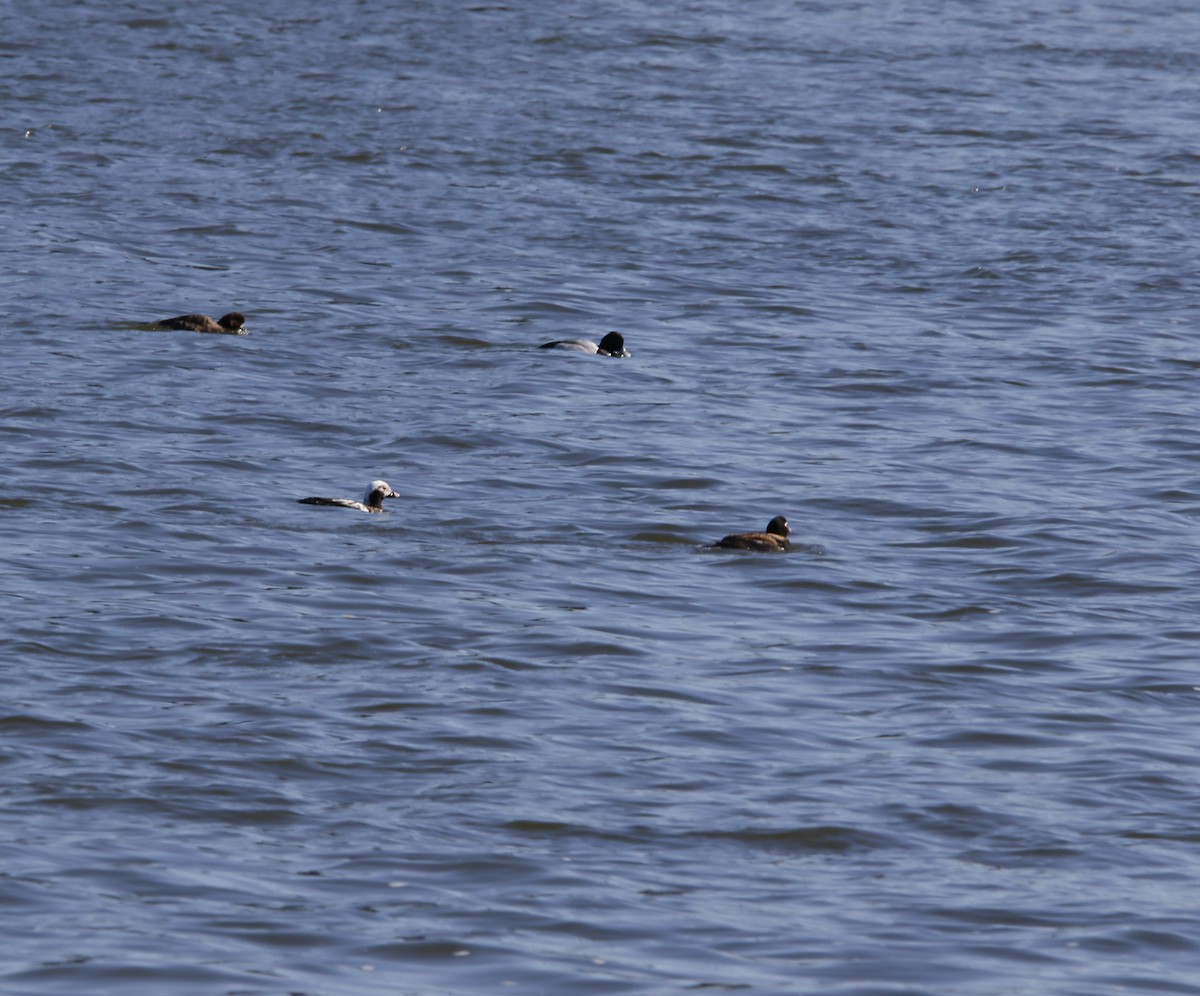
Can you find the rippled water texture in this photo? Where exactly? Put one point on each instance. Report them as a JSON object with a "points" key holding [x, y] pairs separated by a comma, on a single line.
{"points": [[919, 276]]}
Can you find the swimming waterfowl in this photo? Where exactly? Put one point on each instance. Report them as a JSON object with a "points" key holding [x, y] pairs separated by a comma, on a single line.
{"points": [[372, 501], [230, 324], [612, 344], [773, 540]]}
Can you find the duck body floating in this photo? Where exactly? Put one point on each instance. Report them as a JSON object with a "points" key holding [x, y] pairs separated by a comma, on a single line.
{"points": [[372, 500], [233, 323], [774, 539], [613, 344]]}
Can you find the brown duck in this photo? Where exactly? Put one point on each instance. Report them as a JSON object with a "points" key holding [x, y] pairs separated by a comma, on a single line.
{"points": [[773, 540], [231, 324]]}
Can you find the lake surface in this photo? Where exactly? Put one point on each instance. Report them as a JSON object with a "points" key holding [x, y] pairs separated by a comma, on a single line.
{"points": [[920, 276]]}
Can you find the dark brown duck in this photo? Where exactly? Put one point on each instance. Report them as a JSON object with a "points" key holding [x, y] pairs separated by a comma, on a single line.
{"points": [[773, 540], [231, 324]]}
